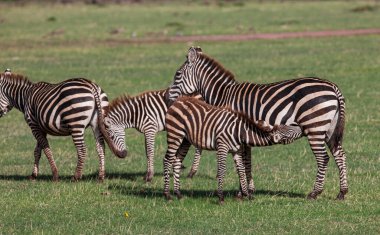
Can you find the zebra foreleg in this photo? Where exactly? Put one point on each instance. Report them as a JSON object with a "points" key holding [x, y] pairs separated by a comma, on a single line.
{"points": [[42, 143], [197, 159], [37, 157], [149, 148], [81, 152], [319, 150]]}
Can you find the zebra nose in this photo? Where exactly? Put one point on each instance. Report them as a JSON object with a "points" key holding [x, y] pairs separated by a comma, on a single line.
{"points": [[122, 154]]}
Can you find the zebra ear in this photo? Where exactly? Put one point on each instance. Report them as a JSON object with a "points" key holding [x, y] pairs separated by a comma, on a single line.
{"points": [[192, 54]]}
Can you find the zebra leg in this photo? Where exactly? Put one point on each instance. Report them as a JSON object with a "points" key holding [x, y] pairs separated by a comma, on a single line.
{"points": [[149, 148], [248, 169], [318, 147], [197, 159], [169, 159], [42, 143], [340, 160], [242, 176], [37, 157], [100, 149], [78, 139], [177, 166], [221, 154]]}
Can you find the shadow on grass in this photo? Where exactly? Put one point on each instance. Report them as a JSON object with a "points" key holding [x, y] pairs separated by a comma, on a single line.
{"points": [[87, 177], [153, 193], [92, 176]]}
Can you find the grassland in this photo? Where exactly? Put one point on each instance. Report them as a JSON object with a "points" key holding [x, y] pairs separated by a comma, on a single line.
{"points": [[55, 42]]}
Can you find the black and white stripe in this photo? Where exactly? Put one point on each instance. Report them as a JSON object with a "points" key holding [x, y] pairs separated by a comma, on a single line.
{"points": [[191, 121], [146, 113], [315, 105], [62, 109]]}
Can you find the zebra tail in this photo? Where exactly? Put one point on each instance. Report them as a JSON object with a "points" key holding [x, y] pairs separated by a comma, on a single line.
{"points": [[338, 133], [111, 144]]}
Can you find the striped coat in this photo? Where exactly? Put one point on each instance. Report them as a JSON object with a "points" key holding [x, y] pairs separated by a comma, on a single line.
{"points": [[146, 113], [62, 109], [191, 121], [317, 106]]}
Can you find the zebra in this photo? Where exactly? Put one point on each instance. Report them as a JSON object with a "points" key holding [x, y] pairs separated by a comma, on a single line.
{"points": [[146, 113], [315, 104], [192, 121], [62, 109]]}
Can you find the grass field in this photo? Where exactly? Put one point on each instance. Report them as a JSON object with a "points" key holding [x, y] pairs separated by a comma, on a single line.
{"points": [[55, 42]]}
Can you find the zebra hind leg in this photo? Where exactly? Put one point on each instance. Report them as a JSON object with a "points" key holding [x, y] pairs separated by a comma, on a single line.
{"points": [[195, 166], [180, 156], [100, 149], [340, 160], [318, 147], [78, 139], [239, 163], [149, 149]]}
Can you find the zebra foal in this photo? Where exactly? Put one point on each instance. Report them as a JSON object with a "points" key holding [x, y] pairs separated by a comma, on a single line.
{"points": [[317, 106], [146, 113], [192, 121], [62, 109]]}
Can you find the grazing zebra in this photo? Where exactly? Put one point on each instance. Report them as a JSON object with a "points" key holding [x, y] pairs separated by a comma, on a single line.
{"points": [[62, 109], [192, 121], [316, 105], [145, 112]]}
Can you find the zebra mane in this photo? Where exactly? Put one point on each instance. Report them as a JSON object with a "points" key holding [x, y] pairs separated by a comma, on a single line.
{"points": [[123, 99], [16, 78], [215, 63]]}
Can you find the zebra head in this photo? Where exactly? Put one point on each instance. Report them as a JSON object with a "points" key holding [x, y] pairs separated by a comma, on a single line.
{"points": [[5, 103], [116, 132], [280, 134], [284, 134], [185, 81]]}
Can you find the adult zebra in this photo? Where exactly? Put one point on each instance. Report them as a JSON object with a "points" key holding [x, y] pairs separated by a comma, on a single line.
{"points": [[192, 121], [62, 109], [146, 113], [316, 105]]}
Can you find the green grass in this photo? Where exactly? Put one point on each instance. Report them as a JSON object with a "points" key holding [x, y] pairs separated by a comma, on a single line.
{"points": [[283, 174]]}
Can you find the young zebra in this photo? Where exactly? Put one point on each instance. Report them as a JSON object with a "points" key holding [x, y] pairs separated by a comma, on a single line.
{"points": [[62, 109], [192, 121], [314, 104], [146, 113]]}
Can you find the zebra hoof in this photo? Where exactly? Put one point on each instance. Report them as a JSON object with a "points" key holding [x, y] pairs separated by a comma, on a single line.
{"points": [[313, 195], [148, 178], [341, 195], [221, 201], [75, 179], [32, 177], [168, 197], [101, 180], [191, 174], [179, 195]]}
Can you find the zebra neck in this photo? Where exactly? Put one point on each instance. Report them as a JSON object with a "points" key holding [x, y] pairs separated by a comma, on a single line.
{"points": [[19, 94], [256, 137], [129, 114], [216, 91]]}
